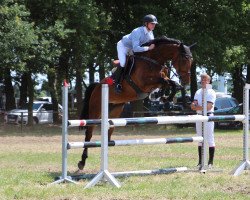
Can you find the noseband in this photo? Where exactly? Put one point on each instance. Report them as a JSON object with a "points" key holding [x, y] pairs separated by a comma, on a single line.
{"points": [[183, 55]]}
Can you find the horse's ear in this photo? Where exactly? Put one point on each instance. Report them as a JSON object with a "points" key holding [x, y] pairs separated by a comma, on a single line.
{"points": [[192, 45], [182, 48]]}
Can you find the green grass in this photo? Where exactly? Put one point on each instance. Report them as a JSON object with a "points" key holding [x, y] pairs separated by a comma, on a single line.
{"points": [[32, 159]]}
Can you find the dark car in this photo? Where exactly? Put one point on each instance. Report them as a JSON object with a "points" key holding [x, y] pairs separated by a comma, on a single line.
{"points": [[227, 106], [225, 102], [223, 106]]}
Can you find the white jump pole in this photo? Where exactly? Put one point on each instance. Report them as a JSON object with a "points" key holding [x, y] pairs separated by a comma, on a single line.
{"points": [[64, 177], [75, 145], [245, 164], [204, 129], [104, 174], [114, 122]]}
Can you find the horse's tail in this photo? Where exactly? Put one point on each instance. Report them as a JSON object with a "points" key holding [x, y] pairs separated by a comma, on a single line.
{"points": [[85, 109]]}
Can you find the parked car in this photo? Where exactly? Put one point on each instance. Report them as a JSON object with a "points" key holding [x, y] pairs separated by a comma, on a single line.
{"points": [[227, 106], [225, 102], [42, 113]]}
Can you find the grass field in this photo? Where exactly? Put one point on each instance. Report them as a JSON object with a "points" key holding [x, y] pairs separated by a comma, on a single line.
{"points": [[32, 159]]}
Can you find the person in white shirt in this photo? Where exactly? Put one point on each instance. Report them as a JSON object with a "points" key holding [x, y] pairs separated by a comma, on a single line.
{"points": [[197, 106], [132, 42]]}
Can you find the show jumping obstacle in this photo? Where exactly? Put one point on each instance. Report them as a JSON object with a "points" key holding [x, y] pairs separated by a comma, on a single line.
{"points": [[158, 120], [75, 145], [107, 123]]}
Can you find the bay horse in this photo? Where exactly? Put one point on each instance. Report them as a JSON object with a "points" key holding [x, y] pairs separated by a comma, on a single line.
{"points": [[145, 75]]}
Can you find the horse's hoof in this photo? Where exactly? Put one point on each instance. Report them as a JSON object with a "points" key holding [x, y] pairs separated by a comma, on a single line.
{"points": [[80, 165]]}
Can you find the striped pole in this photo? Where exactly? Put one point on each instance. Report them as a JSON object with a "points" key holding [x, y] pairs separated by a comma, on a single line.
{"points": [[158, 120], [134, 173], [149, 172], [82, 122], [74, 145], [174, 119]]}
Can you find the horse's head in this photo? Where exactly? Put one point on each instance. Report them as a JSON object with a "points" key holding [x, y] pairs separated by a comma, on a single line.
{"points": [[182, 62], [181, 56]]}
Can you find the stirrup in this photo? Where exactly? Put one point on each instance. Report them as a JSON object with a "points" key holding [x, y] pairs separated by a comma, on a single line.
{"points": [[118, 88]]}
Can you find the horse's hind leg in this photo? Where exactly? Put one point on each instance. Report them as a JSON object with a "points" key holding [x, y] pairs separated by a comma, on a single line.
{"points": [[88, 136]]}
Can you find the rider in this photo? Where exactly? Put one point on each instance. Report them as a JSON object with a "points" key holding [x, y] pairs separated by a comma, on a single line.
{"points": [[132, 42]]}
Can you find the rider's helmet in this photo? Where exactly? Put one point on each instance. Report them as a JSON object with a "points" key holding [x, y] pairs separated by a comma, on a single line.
{"points": [[150, 19]]}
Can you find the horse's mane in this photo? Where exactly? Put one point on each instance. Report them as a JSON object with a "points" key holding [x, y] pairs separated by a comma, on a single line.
{"points": [[162, 40], [185, 51]]}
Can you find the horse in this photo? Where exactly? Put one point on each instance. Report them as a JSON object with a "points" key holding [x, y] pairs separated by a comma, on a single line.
{"points": [[147, 72]]}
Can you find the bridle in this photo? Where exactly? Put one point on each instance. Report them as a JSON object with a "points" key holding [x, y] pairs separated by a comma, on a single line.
{"points": [[169, 67], [183, 55]]}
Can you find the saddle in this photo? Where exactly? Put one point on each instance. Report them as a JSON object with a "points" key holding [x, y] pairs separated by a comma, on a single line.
{"points": [[129, 65], [127, 68]]}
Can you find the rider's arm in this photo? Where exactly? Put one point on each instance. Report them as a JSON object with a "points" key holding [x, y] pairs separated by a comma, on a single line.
{"points": [[136, 36], [195, 106]]}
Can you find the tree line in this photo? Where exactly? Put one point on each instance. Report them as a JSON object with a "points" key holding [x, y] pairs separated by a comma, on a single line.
{"points": [[66, 38]]}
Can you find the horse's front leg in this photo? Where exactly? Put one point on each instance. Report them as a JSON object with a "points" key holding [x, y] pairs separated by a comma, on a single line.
{"points": [[111, 130], [88, 136], [173, 85], [114, 112]]}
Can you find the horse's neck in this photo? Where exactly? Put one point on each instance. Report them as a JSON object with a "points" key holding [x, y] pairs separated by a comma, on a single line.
{"points": [[163, 53]]}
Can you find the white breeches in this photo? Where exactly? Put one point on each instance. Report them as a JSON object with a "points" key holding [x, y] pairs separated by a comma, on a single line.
{"points": [[210, 133], [122, 52]]}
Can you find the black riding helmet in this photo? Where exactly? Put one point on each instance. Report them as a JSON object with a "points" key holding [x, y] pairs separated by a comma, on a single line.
{"points": [[150, 19]]}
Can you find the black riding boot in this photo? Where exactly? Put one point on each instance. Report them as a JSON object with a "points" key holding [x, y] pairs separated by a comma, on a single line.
{"points": [[211, 155], [199, 153], [118, 78]]}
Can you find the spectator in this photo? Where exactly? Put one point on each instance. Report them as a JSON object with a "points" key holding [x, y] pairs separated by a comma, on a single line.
{"points": [[196, 105]]}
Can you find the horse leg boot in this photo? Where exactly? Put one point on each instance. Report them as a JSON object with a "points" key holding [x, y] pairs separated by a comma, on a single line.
{"points": [[88, 137], [82, 162], [118, 79]]}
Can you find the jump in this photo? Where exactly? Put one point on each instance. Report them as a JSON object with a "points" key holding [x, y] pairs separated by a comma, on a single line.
{"points": [[144, 73]]}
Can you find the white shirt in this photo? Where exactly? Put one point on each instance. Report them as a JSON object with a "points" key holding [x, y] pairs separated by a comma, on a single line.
{"points": [[211, 97]]}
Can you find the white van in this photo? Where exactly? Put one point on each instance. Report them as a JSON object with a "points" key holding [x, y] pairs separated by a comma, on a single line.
{"points": [[42, 113]]}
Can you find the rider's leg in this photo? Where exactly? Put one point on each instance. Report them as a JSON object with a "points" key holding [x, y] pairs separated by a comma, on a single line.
{"points": [[118, 78], [122, 52]]}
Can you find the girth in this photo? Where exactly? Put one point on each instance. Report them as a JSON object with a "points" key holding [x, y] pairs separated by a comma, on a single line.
{"points": [[139, 92]]}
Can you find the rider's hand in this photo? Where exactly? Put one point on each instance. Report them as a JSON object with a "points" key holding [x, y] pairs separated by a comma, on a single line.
{"points": [[151, 47], [194, 106]]}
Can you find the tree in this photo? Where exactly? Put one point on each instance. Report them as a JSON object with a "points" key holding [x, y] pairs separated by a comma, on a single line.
{"points": [[16, 39]]}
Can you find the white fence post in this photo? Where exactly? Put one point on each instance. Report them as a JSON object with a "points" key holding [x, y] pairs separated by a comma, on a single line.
{"points": [[245, 164], [64, 177], [104, 174]]}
